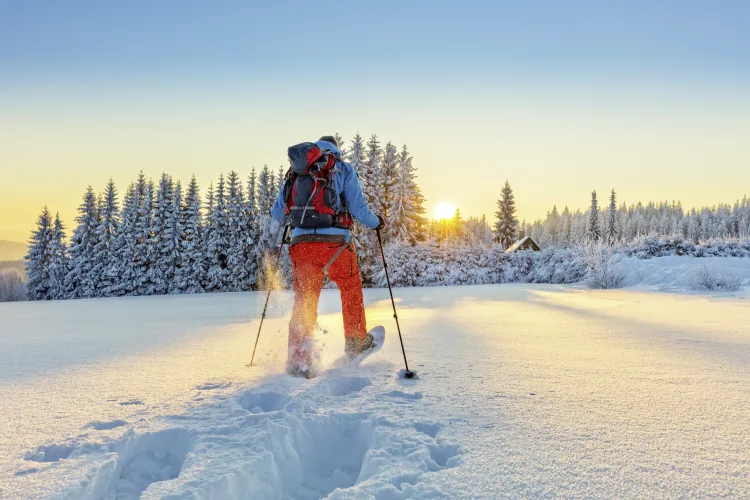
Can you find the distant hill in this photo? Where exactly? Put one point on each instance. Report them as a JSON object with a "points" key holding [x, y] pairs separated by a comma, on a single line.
{"points": [[12, 250]]}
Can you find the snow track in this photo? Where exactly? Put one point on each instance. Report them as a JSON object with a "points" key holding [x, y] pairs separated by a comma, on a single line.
{"points": [[283, 439]]}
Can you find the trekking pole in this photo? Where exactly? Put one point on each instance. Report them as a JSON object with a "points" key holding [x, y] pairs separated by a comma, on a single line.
{"points": [[268, 297], [408, 373]]}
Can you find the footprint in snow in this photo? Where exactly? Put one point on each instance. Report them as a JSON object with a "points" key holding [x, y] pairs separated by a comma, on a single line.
{"points": [[147, 459], [445, 455], [50, 453], [263, 402], [211, 387], [26, 472], [428, 428], [343, 386], [131, 402], [405, 395], [105, 426]]}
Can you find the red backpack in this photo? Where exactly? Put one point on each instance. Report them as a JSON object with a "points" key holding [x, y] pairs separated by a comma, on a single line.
{"points": [[309, 193]]}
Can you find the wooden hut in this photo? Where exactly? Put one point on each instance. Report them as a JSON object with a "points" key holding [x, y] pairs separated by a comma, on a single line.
{"points": [[525, 243]]}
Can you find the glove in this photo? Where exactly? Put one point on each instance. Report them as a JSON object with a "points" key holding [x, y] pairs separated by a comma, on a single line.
{"points": [[381, 224]]}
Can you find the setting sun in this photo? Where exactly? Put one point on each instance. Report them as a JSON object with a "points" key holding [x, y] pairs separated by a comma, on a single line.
{"points": [[445, 210]]}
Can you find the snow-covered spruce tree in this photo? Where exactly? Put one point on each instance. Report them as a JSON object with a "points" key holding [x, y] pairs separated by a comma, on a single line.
{"points": [[80, 281], [406, 221], [210, 202], [106, 234], [171, 257], [189, 276], [274, 192], [388, 179], [577, 228], [161, 271], [266, 195], [745, 218], [612, 231], [146, 247], [58, 267], [252, 189], [457, 229], [133, 246], [506, 226], [340, 141], [594, 231], [217, 242], [623, 223], [356, 155], [39, 259], [401, 220], [370, 177], [550, 228], [416, 199], [478, 232], [563, 227], [280, 179], [239, 236], [253, 256], [250, 222], [121, 273]]}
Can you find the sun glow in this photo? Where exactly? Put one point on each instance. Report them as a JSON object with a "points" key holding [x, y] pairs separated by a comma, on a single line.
{"points": [[445, 210]]}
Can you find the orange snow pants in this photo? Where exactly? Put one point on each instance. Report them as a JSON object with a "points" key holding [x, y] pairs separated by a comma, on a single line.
{"points": [[308, 262]]}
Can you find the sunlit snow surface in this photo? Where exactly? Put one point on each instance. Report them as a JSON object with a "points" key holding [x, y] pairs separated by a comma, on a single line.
{"points": [[523, 391]]}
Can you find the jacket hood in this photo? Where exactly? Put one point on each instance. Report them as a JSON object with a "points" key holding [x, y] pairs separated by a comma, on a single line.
{"points": [[330, 147]]}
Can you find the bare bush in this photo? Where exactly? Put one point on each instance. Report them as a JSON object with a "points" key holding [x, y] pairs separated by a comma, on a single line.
{"points": [[600, 262], [705, 278], [12, 286]]}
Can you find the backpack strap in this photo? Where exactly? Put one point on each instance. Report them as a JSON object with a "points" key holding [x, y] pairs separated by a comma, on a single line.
{"points": [[289, 191], [335, 256]]}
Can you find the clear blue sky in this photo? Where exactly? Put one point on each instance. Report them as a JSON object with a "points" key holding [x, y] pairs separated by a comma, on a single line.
{"points": [[90, 90], [169, 40]]}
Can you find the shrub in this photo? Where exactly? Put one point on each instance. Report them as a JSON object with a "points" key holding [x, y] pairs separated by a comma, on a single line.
{"points": [[600, 260], [705, 278]]}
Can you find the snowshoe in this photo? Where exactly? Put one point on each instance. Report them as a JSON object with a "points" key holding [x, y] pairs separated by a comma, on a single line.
{"points": [[357, 350], [300, 371]]}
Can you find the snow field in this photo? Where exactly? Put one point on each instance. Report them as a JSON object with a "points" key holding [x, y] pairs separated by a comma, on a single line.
{"points": [[523, 391]]}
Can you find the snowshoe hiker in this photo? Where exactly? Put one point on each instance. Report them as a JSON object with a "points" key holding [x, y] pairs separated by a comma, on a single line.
{"points": [[320, 198]]}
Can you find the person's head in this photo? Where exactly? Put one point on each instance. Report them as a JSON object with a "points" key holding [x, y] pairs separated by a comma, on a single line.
{"points": [[329, 138]]}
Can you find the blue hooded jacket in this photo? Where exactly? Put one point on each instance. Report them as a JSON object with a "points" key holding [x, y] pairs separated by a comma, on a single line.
{"points": [[344, 181]]}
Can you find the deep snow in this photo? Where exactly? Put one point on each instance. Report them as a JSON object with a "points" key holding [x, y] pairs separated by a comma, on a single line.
{"points": [[523, 390], [674, 273]]}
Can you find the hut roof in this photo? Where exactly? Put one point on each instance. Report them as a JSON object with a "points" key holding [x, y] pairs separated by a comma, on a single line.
{"points": [[525, 243]]}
